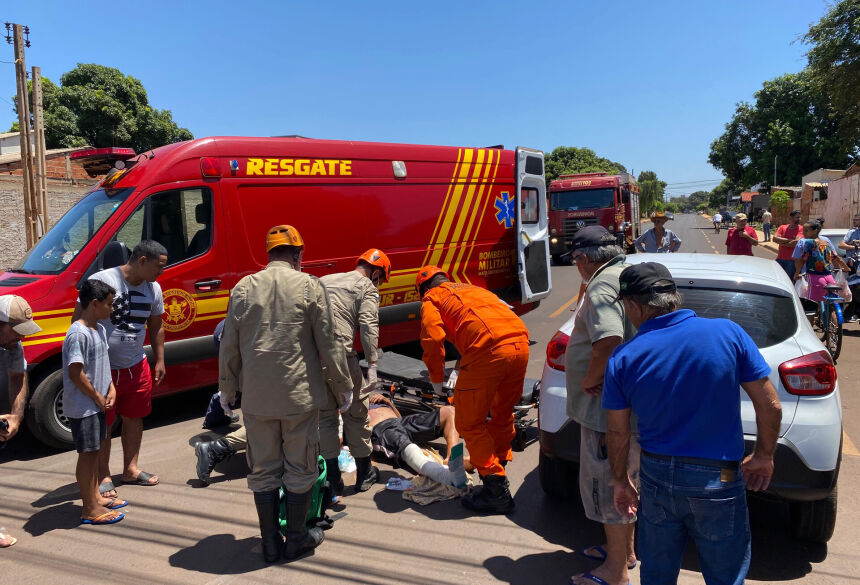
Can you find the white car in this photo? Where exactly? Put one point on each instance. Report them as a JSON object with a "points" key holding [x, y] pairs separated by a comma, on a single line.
{"points": [[757, 294], [835, 235]]}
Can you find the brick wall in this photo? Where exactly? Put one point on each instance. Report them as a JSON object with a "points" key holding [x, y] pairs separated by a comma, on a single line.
{"points": [[61, 196], [55, 168]]}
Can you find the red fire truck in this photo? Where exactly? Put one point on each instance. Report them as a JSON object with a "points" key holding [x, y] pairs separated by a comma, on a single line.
{"points": [[592, 199], [479, 213]]}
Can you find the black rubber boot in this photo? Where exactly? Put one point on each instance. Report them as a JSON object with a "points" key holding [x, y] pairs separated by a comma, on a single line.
{"points": [[209, 454], [267, 511], [494, 498], [300, 538], [365, 474], [334, 477]]}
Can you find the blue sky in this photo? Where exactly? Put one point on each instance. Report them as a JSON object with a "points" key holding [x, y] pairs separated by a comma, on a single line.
{"points": [[647, 84]]}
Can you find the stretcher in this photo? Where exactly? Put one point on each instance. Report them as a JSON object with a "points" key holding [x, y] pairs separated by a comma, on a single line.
{"points": [[406, 381]]}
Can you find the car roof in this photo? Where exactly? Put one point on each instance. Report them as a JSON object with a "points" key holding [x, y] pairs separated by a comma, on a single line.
{"points": [[720, 270], [831, 232]]}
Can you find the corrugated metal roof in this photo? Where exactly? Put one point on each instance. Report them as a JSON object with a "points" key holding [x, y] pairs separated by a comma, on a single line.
{"points": [[816, 185]]}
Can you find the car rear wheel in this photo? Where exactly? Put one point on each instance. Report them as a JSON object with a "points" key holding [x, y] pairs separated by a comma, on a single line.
{"points": [[814, 521], [558, 478]]}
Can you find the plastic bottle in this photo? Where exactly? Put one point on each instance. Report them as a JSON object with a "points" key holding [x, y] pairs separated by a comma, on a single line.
{"points": [[345, 461]]}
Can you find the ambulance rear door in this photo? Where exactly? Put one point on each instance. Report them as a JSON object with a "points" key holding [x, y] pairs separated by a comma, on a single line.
{"points": [[532, 226]]}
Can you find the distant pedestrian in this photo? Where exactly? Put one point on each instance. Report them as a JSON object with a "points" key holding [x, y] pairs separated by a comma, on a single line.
{"points": [[718, 219], [741, 238], [278, 335], [658, 239], [88, 393], [787, 236], [600, 326], [851, 243], [693, 479], [16, 322], [766, 219], [817, 256]]}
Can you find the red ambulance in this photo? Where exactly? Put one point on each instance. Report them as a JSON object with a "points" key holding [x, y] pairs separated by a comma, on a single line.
{"points": [[479, 213]]}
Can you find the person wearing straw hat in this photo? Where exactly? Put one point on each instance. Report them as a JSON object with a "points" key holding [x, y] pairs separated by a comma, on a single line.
{"points": [[658, 239]]}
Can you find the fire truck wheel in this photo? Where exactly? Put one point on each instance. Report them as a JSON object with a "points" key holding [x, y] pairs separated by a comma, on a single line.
{"points": [[45, 417]]}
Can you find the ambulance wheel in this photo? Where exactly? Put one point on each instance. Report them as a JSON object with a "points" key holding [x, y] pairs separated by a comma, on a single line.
{"points": [[558, 478], [45, 416]]}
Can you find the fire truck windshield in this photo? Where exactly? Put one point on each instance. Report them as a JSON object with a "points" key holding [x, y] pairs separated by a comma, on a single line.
{"points": [[585, 199], [62, 243]]}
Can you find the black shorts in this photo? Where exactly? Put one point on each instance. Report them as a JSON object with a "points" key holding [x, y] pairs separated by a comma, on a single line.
{"points": [[89, 432], [392, 435]]}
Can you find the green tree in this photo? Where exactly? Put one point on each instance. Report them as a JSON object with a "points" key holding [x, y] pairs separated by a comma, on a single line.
{"points": [[99, 106], [566, 160], [834, 64], [718, 198], [651, 191], [792, 119], [698, 198], [779, 200]]}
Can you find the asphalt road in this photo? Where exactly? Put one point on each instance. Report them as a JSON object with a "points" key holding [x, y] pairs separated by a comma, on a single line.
{"points": [[181, 533]]}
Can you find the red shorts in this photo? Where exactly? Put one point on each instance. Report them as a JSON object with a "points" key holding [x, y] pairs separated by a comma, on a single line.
{"points": [[133, 392]]}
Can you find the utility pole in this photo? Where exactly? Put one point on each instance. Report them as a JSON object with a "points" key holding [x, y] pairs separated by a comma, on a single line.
{"points": [[39, 143], [774, 170], [30, 213]]}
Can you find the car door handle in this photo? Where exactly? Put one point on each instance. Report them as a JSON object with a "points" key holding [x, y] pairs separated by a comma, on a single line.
{"points": [[207, 284]]}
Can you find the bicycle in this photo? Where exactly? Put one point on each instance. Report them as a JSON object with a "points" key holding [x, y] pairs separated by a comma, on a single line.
{"points": [[827, 320]]}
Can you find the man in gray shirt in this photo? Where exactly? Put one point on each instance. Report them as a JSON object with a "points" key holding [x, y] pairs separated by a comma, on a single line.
{"points": [[16, 322], [599, 327]]}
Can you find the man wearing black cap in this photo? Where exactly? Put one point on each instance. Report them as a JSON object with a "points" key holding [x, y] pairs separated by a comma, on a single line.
{"points": [[692, 479], [599, 327]]}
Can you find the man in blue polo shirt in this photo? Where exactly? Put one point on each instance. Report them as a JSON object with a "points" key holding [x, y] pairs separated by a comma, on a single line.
{"points": [[688, 405]]}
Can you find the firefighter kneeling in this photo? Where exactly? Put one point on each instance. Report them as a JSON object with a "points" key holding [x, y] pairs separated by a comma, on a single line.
{"points": [[277, 337], [494, 348]]}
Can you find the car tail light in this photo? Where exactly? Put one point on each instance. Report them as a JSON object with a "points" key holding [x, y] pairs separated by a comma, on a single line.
{"points": [[811, 375], [555, 351]]}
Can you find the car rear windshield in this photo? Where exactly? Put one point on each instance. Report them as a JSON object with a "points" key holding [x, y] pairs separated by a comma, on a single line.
{"points": [[585, 199], [768, 319]]}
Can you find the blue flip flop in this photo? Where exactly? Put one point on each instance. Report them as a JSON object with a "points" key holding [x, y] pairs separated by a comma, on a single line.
{"points": [[98, 520], [601, 556], [116, 503], [593, 578]]}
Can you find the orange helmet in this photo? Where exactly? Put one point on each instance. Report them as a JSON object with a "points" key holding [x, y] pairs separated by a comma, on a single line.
{"points": [[283, 235], [376, 258], [428, 272]]}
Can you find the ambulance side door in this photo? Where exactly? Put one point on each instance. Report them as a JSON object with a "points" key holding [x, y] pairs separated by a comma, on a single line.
{"points": [[532, 226]]}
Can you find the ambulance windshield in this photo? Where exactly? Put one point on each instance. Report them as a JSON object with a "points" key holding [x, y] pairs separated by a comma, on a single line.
{"points": [[76, 228], [584, 199]]}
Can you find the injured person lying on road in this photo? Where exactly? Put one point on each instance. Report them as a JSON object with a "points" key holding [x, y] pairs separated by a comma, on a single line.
{"points": [[397, 438]]}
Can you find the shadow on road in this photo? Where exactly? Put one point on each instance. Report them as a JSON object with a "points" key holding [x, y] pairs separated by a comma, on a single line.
{"points": [[775, 555], [64, 516], [220, 554]]}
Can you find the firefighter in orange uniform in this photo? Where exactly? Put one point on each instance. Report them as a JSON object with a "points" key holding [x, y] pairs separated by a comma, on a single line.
{"points": [[494, 348]]}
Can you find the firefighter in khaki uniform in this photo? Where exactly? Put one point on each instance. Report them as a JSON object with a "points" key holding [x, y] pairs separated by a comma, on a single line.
{"points": [[494, 348], [355, 307], [277, 338]]}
